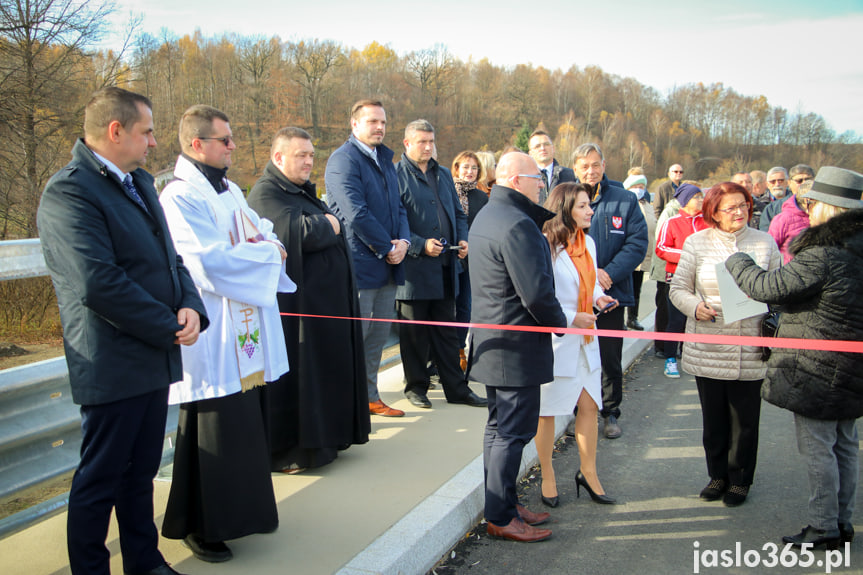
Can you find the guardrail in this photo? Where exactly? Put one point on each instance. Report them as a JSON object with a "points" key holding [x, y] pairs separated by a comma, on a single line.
{"points": [[40, 427]]}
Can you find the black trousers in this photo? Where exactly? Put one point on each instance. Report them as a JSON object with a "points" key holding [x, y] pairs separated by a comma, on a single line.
{"points": [[121, 451], [637, 281], [730, 411], [513, 414], [661, 317], [611, 354], [419, 343], [676, 324]]}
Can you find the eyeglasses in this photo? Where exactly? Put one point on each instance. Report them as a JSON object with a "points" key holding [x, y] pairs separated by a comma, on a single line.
{"points": [[531, 176], [224, 139], [779, 181], [676, 171], [744, 207], [801, 180]]}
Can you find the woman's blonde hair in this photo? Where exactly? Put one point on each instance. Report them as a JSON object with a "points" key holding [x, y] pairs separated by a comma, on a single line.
{"points": [[820, 212]]}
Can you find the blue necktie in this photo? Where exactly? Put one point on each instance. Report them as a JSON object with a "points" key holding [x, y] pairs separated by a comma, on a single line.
{"points": [[132, 191]]}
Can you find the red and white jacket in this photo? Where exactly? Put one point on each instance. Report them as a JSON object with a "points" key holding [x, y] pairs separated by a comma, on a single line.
{"points": [[669, 244]]}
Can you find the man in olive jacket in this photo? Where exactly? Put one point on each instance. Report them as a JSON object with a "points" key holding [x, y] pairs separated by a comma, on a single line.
{"points": [[126, 302], [512, 283]]}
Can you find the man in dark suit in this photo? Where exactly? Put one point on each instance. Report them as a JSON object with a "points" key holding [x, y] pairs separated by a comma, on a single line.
{"points": [[127, 303], [541, 149], [437, 224], [512, 283], [362, 191]]}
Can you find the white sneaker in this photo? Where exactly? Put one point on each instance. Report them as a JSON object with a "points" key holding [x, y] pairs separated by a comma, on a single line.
{"points": [[671, 368]]}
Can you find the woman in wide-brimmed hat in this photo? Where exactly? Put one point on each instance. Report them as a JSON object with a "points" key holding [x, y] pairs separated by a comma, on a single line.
{"points": [[819, 291]]}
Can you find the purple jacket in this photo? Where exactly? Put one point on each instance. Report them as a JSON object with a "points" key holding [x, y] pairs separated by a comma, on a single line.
{"points": [[787, 225]]}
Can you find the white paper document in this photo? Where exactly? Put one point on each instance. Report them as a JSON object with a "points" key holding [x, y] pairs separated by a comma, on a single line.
{"points": [[736, 305]]}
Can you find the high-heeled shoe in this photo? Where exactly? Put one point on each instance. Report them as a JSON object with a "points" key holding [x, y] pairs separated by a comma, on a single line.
{"points": [[580, 482], [550, 501]]}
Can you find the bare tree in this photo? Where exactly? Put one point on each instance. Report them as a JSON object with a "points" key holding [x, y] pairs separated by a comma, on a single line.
{"points": [[257, 60], [434, 72], [313, 61], [45, 75]]}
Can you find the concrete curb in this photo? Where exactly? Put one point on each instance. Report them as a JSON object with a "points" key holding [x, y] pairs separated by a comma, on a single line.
{"points": [[417, 541]]}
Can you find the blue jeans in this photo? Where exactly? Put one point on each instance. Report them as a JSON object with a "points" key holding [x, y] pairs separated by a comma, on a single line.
{"points": [[378, 303], [830, 448]]}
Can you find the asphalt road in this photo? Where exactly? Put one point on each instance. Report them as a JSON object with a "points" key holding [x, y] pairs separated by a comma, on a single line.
{"points": [[656, 470]]}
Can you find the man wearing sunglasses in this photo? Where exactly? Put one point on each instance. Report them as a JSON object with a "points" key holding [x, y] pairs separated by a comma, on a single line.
{"points": [[221, 487], [665, 192]]}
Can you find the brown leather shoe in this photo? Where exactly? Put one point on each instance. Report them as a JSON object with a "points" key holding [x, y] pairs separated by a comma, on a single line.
{"points": [[530, 517], [380, 408], [518, 530]]}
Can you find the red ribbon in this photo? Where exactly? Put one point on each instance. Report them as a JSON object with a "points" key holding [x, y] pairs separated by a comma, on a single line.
{"points": [[774, 342]]}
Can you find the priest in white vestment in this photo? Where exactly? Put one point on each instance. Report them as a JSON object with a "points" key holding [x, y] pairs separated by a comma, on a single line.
{"points": [[221, 485]]}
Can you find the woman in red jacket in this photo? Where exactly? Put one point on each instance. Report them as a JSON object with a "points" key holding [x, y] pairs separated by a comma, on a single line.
{"points": [[669, 246]]}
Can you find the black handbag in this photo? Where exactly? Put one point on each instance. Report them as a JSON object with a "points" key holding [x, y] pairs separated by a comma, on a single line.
{"points": [[769, 326]]}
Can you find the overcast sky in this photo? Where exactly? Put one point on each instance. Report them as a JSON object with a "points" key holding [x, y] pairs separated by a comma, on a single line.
{"points": [[803, 56]]}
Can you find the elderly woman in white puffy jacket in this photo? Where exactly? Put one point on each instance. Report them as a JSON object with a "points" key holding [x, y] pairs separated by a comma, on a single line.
{"points": [[728, 376], [577, 366]]}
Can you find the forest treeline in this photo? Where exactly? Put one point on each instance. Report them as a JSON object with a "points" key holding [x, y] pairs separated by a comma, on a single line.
{"points": [[48, 69]]}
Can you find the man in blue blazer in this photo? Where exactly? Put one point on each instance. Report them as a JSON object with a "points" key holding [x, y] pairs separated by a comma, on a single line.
{"points": [[438, 243], [512, 283], [127, 303], [363, 192]]}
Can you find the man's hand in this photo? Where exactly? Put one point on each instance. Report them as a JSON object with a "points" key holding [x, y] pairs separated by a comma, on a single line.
{"points": [[433, 247], [462, 253], [282, 253], [334, 221], [397, 254], [604, 279], [191, 322]]}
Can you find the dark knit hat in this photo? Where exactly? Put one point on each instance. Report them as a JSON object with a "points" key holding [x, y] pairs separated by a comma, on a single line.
{"points": [[837, 187], [685, 192]]}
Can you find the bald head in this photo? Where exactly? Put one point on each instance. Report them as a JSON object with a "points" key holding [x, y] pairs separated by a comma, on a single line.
{"points": [[516, 170]]}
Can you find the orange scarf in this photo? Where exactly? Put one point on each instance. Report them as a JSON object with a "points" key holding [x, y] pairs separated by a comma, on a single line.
{"points": [[577, 250]]}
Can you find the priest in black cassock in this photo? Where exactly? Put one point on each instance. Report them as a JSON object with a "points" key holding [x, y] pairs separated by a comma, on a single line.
{"points": [[321, 405]]}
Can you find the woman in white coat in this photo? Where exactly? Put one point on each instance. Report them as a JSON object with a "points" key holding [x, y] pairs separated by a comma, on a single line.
{"points": [[577, 367]]}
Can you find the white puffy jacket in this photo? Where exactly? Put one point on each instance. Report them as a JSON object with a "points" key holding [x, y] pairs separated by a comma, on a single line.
{"points": [[696, 278]]}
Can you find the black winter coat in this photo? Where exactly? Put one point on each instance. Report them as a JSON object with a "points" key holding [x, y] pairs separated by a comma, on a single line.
{"points": [[323, 400], [820, 294], [119, 281], [512, 283], [423, 272]]}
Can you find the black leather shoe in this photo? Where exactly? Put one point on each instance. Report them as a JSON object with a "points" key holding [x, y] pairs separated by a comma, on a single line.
{"points": [[471, 399], [817, 537], [418, 399], [216, 552], [714, 490], [550, 501], [634, 325], [163, 569], [846, 532], [736, 495]]}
